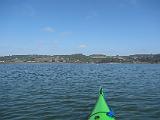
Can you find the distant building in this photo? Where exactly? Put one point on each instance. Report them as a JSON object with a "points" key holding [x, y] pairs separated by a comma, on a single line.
{"points": [[78, 54], [98, 56]]}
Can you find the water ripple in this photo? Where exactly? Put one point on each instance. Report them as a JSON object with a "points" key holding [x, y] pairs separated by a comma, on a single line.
{"points": [[69, 91]]}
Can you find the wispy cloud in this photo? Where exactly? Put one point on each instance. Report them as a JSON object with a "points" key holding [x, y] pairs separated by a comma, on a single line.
{"points": [[133, 2], [30, 9], [82, 46], [91, 15], [49, 29], [24, 10], [65, 33], [125, 3]]}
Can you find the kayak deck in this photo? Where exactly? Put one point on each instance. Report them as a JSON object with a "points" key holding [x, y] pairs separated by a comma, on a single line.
{"points": [[101, 110]]}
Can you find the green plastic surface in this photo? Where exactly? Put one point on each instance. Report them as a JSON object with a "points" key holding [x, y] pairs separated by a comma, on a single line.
{"points": [[101, 109]]}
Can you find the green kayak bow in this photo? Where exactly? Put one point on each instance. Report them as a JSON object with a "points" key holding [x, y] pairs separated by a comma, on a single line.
{"points": [[101, 110]]}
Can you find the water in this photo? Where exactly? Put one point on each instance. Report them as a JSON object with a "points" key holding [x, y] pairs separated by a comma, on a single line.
{"points": [[69, 91]]}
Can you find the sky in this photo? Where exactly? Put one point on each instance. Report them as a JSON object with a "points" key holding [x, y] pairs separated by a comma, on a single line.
{"points": [[111, 27]]}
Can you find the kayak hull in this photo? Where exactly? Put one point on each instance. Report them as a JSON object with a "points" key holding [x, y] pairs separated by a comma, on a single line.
{"points": [[101, 110]]}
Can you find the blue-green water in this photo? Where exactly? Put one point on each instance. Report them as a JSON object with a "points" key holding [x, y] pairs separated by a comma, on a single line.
{"points": [[69, 91]]}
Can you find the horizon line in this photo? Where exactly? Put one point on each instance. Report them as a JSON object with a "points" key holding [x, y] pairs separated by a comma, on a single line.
{"points": [[83, 54]]}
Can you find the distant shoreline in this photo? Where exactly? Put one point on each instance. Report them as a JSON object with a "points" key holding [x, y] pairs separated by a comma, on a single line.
{"points": [[68, 63], [80, 58]]}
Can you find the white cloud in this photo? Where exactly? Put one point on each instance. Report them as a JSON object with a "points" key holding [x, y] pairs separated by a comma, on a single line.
{"points": [[48, 29], [65, 33], [82, 46]]}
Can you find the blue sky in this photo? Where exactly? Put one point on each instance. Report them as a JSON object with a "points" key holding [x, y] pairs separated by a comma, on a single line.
{"points": [[53, 27]]}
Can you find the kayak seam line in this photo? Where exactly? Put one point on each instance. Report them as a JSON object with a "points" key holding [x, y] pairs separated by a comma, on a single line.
{"points": [[96, 113]]}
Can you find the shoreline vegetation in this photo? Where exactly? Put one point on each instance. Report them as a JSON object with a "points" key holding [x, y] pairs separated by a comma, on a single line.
{"points": [[80, 58]]}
